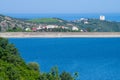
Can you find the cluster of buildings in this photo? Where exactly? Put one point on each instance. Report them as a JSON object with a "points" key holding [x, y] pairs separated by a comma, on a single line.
{"points": [[85, 20], [47, 27], [73, 28]]}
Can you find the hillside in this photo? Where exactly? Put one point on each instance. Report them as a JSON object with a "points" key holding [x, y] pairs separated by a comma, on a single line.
{"points": [[49, 21], [12, 24], [95, 25], [8, 24]]}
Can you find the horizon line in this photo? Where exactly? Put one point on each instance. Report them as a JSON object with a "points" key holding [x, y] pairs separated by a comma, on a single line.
{"points": [[64, 13]]}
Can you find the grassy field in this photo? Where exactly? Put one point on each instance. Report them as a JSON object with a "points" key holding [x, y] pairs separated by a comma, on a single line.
{"points": [[45, 20]]}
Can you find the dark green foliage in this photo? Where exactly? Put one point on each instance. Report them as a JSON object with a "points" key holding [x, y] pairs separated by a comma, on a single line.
{"points": [[9, 71], [11, 49], [96, 25], [55, 72], [3, 43], [66, 76], [12, 66], [15, 29], [33, 66], [0, 28], [9, 53]]}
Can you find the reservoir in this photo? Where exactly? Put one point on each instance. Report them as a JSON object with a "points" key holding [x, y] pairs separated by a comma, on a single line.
{"points": [[93, 58]]}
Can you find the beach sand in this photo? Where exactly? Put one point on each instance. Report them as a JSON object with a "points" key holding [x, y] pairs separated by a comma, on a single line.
{"points": [[57, 34]]}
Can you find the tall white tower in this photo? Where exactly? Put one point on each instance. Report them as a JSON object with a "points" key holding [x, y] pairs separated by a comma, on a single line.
{"points": [[102, 17]]}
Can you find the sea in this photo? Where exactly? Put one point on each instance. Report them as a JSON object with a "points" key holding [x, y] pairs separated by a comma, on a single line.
{"points": [[69, 17], [92, 58]]}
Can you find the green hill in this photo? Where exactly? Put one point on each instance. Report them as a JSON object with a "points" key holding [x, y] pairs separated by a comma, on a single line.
{"points": [[96, 25], [44, 20], [14, 25], [49, 21]]}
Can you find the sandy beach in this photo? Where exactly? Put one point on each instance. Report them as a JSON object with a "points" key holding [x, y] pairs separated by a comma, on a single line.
{"points": [[57, 34]]}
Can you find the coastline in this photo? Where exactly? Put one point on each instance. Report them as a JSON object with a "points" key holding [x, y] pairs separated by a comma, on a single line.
{"points": [[59, 34]]}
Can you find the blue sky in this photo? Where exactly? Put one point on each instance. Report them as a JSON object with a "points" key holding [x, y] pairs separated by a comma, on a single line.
{"points": [[59, 6]]}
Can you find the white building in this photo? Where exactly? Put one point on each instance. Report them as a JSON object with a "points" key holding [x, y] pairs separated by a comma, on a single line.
{"points": [[81, 30], [74, 28], [85, 22], [102, 17], [51, 26], [27, 29]]}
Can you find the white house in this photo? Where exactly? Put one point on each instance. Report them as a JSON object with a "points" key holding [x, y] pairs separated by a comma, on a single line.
{"points": [[27, 29], [85, 22], [74, 28], [81, 30], [51, 26], [102, 17]]}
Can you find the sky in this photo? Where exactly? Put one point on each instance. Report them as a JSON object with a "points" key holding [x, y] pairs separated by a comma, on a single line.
{"points": [[59, 6]]}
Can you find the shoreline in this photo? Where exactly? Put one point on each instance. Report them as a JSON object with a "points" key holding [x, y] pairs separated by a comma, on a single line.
{"points": [[60, 34]]}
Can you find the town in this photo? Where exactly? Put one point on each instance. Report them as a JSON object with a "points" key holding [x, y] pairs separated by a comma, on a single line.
{"points": [[52, 28], [55, 28]]}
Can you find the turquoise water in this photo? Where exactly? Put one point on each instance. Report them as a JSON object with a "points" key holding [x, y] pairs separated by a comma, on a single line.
{"points": [[93, 58]]}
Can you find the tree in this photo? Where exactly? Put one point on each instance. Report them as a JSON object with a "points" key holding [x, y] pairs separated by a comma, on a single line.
{"points": [[12, 50], [15, 29], [33, 66], [76, 75], [55, 72], [66, 76], [3, 42], [0, 28]]}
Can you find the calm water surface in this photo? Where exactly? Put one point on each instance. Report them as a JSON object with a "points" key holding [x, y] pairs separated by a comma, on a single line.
{"points": [[109, 16], [93, 58]]}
